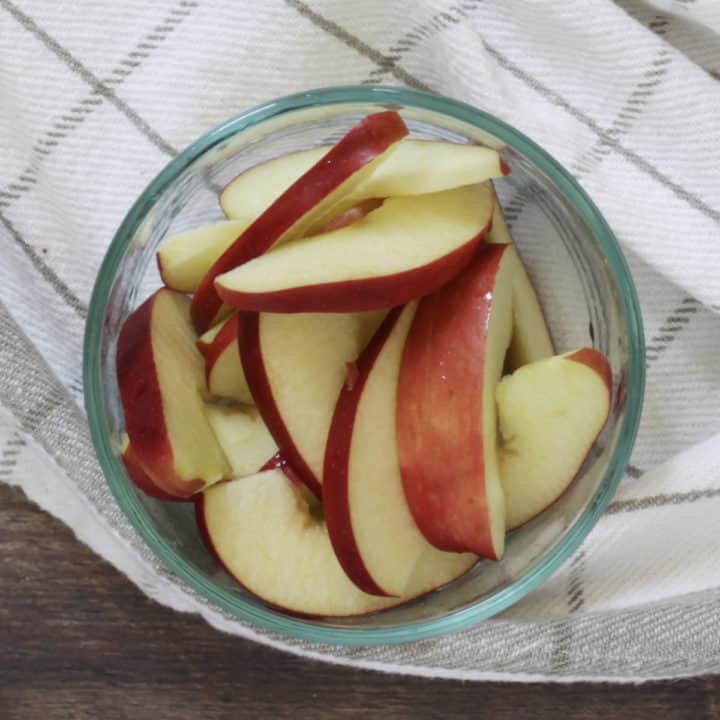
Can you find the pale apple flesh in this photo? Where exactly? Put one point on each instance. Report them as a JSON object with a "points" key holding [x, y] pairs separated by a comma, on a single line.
{"points": [[353, 214], [406, 248], [185, 258], [265, 535], [223, 369], [446, 414], [315, 198], [243, 436], [531, 339], [550, 413], [416, 167], [372, 530], [295, 366], [161, 379]]}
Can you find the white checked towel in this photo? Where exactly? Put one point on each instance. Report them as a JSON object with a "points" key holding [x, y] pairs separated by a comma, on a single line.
{"points": [[95, 97]]}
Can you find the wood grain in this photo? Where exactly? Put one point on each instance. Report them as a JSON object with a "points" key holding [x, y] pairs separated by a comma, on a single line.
{"points": [[78, 641]]}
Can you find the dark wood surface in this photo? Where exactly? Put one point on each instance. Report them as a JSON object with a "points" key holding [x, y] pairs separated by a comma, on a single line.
{"points": [[77, 641]]}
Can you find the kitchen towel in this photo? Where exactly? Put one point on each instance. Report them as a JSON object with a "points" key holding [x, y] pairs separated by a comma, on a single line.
{"points": [[96, 97]]}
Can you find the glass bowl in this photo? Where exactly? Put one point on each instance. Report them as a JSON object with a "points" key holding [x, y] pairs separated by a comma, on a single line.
{"points": [[573, 258]]}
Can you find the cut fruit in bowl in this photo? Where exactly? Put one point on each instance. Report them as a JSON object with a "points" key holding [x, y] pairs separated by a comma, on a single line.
{"points": [[355, 455]]}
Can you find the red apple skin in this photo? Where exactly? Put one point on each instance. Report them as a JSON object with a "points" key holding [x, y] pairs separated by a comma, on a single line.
{"points": [[337, 459], [450, 450], [361, 294], [276, 461], [226, 336], [279, 462], [595, 360], [259, 384], [142, 479], [140, 388], [362, 144]]}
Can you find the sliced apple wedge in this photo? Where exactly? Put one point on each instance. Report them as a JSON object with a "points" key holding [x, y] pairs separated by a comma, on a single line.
{"points": [[263, 532], [372, 530], [531, 339], [416, 167], [550, 413], [406, 248], [295, 366], [316, 197], [446, 413], [185, 258], [223, 369], [243, 436], [161, 378]]}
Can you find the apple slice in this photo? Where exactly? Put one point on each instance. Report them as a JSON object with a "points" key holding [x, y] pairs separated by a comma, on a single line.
{"points": [[550, 414], [406, 248], [161, 378], [185, 258], [446, 414], [416, 167], [263, 532], [531, 339], [243, 436], [372, 530], [295, 366], [315, 198], [223, 369]]}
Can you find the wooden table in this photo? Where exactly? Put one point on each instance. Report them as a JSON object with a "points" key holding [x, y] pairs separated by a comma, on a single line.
{"points": [[77, 641]]}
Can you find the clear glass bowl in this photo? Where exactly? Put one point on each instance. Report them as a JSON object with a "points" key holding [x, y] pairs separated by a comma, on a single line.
{"points": [[578, 269]]}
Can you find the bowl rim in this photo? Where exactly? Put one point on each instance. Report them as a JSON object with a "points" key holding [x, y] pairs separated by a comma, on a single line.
{"points": [[423, 629]]}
